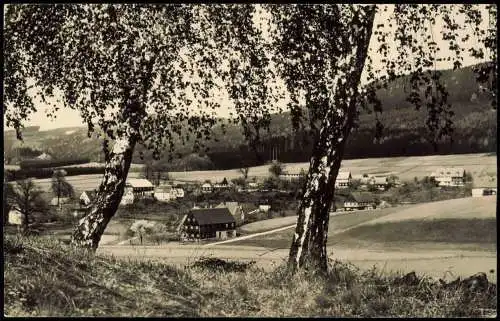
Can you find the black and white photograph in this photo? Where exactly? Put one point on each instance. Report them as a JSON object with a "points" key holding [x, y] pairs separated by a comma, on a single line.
{"points": [[262, 159]]}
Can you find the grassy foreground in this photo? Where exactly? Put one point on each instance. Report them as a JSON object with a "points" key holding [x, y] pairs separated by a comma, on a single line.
{"points": [[43, 277]]}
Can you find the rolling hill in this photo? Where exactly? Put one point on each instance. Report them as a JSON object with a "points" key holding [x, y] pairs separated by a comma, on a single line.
{"points": [[405, 132]]}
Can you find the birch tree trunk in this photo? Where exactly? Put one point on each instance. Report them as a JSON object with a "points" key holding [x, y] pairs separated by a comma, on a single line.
{"points": [[90, 228], [308, 247]]}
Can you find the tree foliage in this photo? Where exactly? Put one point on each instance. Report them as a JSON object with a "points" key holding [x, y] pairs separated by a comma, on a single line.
{"points": [[25, 197]]}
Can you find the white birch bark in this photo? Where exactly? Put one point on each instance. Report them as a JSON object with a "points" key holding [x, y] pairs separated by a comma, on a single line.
{"points": [[309, 242]]}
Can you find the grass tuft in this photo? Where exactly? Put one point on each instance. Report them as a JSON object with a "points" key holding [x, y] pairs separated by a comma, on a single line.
{"points": [[44, 277]]}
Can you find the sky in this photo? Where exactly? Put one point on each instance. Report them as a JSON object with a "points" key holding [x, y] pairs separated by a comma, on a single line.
{"points": [[67, 117]]}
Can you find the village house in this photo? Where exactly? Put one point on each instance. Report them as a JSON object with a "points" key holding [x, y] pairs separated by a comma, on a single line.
{"points": [[359, 201], [87, 197], [206, 188], [164, 193], [140, 187], [449, 176], [236, 211], [379, 182], [343, 180], [290, 176], [207, 223]]}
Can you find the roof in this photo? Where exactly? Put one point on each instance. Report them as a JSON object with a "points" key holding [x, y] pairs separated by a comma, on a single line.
{"points": [[233, 207], [164, 188], [139, 182], [362, 197], [449, 171], [206, 185], [91, 194], [380, 180], [205, 216], [344, 175]]}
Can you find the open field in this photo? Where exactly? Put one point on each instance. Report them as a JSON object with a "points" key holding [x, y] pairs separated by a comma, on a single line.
{"points": [[80, 182], [466, 220], [482, 166], [338, 221]]}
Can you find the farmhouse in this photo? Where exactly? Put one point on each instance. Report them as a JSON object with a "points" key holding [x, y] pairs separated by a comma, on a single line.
{"points": [[206, 188], [236, 211], [87, 197], [207, 223], [379, 182], [359, 201], [140, 187], [449, 176], [343, 180]]}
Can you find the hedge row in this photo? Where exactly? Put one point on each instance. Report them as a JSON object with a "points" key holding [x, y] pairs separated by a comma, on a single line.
{"points": [[44, 163], [13, 175]]}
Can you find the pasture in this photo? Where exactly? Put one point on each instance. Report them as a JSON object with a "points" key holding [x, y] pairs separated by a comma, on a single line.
{"points": [[483, 168]]}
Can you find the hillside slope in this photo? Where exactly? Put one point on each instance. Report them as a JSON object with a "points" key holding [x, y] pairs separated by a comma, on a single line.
{"points": [[405, 132]]}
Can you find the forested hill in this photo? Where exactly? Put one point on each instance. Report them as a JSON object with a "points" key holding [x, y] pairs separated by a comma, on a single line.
{"points": [[475, 123]]}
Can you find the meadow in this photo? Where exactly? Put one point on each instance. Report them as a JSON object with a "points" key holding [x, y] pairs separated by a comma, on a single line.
{"points": [[46, 278], [482, 166]]}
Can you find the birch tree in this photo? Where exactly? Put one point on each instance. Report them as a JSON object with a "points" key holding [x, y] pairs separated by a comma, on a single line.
{"points": [[128, 69], [322, 51]]}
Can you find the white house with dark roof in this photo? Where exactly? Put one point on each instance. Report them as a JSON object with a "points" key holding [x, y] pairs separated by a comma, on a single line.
{"points": [[449, 176], [140, 187], [343, 180]]}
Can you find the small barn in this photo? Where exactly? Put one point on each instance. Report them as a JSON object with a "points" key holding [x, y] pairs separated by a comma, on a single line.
{"points": [[359, 201], [208, 223]]}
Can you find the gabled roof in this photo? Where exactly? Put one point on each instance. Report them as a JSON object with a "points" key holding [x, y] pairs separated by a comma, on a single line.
{"points": [[205, 216], [344, 175], [233, 207], [139, 182], [206, 185], [362, 197]]}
